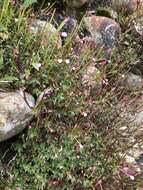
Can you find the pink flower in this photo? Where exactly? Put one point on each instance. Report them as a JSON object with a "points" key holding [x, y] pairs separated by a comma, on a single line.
{"points": [[66, 19], [15, 52], [104, 62], [99, 183], [67, 61], [63, 34], [29, 126], [48, 92], [104, 82], [13, 2], [125, 170], [60, 60], [18, 188]]}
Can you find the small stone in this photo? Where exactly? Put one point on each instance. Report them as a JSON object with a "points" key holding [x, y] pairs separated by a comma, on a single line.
{"points": [[126, 6], [48, 31], [123, 128], [131, 110], [133, 82], [138, 25], [76, 3], [104, 31], [15, 113], [91, 80], [107, 12], [68, 24]]}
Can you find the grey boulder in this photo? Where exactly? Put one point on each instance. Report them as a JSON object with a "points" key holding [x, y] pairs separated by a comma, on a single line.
{"points": [[15, 113], [104, 31]]}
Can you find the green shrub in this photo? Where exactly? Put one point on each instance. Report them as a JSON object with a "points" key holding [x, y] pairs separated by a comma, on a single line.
{"points": [[74, 140]]}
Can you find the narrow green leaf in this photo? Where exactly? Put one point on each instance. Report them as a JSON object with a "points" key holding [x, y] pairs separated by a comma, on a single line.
{"points": [[1, 60]]}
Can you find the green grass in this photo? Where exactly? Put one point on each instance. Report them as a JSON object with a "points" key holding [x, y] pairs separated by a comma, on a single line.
{"points": [[63, 148]]}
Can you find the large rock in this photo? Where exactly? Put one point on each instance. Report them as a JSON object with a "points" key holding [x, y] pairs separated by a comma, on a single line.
{"points": [[126, 6], [48, 32], [15, 113], [104, 31]]}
